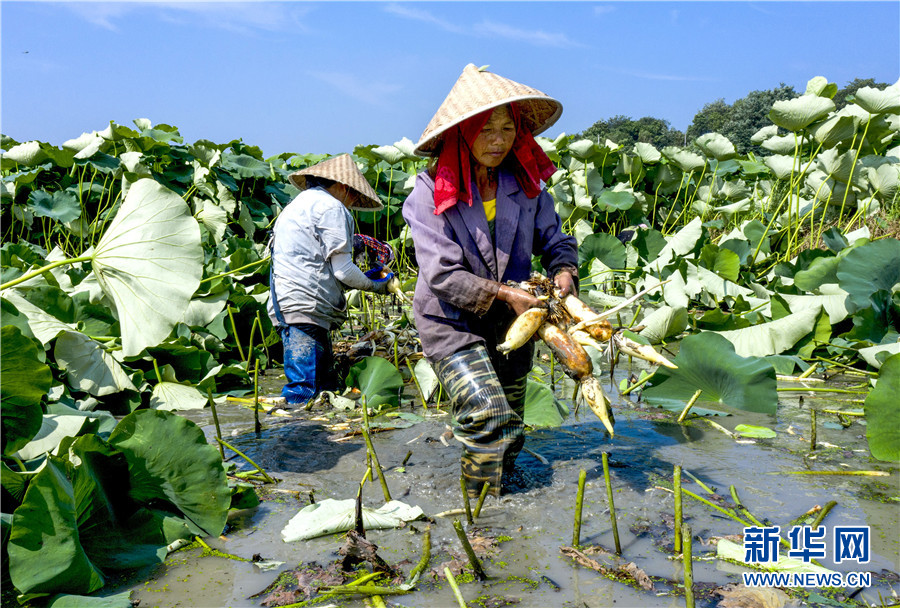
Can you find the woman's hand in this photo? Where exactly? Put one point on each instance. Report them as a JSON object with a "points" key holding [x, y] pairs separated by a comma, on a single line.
{"points": [[565, 283], [519, 299]]}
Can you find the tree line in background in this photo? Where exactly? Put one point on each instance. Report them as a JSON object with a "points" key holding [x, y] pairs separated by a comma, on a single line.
{"points": [[737, 121]]}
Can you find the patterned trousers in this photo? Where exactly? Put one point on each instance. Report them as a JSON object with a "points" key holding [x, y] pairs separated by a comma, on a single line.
{"points": [[487, 395]]}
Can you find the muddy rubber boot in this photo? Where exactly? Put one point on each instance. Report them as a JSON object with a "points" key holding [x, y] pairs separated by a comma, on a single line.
{"points": [[481, 464]]}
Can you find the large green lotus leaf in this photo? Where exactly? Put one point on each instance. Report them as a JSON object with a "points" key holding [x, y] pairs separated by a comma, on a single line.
{"points": [[833, 303], [613, 200], [172, 396], [684, 160], [875, 101], [26, 154], [604, 247], [582, 149], [45, 555], [820, 271], [112, 531], [14, 485], [885, 180], [834, 130], [800, 112], [773, 337], [782, 144], [840, 167], [169, 460], [679, 244], [723, 262], [245, 166], [875, 355], [203, 311], [782, 166], [869, 273], [61, 205], [88, 366], [55, 428], [716, 145], [25, 382], [377, 379], [707, 361], [149, 262], [389, 154], [426, 378], [882, 413], [717, 286], [663, 323], [119, 600], [214, 218], [763, 134], [819, 85], [44, 327], [330, 516], [647, 153], [542, 408]]}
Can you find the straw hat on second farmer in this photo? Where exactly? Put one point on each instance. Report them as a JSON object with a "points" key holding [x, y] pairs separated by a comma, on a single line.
{"points": [[478, 90], [342, 169]]}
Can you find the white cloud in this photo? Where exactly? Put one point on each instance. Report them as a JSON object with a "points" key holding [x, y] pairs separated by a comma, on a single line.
{"points": [[402, 10], [537, 37], [372, 93], [235, 16], [604, 9]]}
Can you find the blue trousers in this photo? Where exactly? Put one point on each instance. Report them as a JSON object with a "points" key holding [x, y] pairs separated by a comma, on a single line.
{"points": [[308, 362]]}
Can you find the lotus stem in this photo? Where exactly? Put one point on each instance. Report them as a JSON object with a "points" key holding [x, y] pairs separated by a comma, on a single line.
{"points": [[265, 475], [256, 425], [696, 479], [418, 386], [678, 515], [406, 458], [740, 505], [372, 454], [844, 413], [721, 428], [480, 503], [207, 550], [43, 269], [234, 331], [688, 567], [364, 590], [812, 432], [810, 371], [215, 415], [470, 553], [828, 507], [636, 385], [612, 506], [231, 272], [455, 588], [799, 520], [579, 503], [423, 561], [689, 405], [861, 473], [803, 389], [466, 504]]}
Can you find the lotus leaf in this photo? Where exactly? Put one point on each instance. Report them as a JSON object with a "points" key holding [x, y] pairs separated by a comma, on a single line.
{"points": [[55, 428], [169, 460], [214, 218], [763, 134], [773, 337], [149, 262], [583, 149], [245, 167], [734, 552], [378, 380], [874, 355], [757, 432], [886, 181], [839, 166], [684, 160], [119, 600], [45, 555], [707, 361], [782, 144], [663, 323], [870, 274], [882, 413], [329, 516], [603, 247], [542, 408], [716, 145], [647, 153], [877, 101], [171, 396], [800, 112], [820, 86], [88, 366], [25, 382], [723, 262], [27, 154], [836, 129], [783, 166]]}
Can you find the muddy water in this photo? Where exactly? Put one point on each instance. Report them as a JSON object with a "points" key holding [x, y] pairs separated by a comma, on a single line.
{"points": [[533, 522]]}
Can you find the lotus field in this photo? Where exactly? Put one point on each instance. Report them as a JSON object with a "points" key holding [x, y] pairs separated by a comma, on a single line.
{"points": [[135, 280]]}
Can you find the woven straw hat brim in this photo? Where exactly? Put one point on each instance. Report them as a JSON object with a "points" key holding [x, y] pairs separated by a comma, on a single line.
{"points": [[477, 91], [341, 169]]}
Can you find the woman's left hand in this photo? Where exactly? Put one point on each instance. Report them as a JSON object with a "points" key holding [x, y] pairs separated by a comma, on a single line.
{"points": [[565, 283]]}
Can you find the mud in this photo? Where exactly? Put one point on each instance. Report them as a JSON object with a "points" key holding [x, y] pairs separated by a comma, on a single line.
{"points": [[531, 524]]}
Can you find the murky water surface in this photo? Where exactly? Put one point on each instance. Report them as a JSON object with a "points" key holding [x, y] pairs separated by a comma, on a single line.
{"points": [[531, 524]]}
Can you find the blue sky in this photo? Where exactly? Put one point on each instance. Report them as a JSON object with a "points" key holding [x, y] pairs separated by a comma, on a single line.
{"points": [[327, 76]]}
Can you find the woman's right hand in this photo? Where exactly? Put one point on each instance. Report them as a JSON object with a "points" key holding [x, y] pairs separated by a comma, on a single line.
{"points": [[519, 299]]}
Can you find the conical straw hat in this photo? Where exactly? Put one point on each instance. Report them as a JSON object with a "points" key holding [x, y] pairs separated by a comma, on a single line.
{"points": [[478, 90], [342, 169]]}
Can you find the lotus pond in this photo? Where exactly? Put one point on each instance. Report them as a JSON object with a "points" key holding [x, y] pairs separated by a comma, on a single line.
{"points": [[133, 290]]}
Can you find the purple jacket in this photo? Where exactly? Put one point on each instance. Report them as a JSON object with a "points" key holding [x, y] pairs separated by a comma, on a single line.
{"points": [[459, 268]]}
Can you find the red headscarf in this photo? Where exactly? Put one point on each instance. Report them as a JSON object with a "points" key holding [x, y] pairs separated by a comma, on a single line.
{"points": [[453, 180]]}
